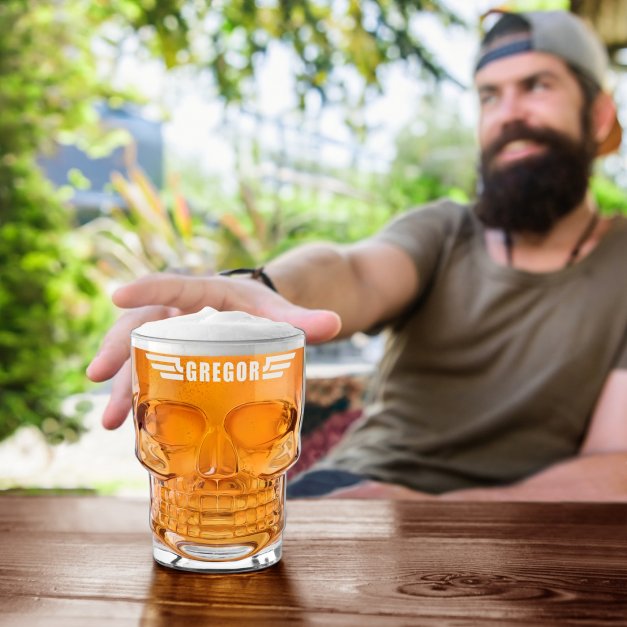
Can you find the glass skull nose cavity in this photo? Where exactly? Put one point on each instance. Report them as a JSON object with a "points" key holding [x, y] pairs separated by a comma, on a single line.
{"points": [[178, 439]]}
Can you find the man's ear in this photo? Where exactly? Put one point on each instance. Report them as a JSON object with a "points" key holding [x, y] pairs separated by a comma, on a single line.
{"points": [[603, 116]]}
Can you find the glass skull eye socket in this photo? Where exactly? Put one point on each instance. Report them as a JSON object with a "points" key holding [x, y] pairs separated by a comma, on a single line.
{"points": [[252, 425], [167, 431]]}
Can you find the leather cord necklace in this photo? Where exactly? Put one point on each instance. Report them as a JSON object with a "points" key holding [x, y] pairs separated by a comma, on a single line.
{"points": [[574, 253]]}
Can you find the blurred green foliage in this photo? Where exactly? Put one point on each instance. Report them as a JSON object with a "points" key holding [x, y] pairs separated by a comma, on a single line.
{"points": [[152, 231], [435, 157], [537, 5], [285, 201], [229, 38], [260, 222], [610, 198], [52, 309]]}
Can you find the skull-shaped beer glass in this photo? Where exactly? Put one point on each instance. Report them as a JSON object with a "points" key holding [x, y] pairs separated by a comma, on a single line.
{"points": [[217, 425]]}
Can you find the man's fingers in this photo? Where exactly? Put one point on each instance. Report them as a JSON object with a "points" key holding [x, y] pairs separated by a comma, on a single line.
{"points": [[115, 347], [185, 293], [319, 325], [121, 398], [190, 294]]}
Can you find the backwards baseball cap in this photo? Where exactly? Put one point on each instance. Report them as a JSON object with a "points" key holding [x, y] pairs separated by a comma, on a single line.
{"points": [[559, 33]]}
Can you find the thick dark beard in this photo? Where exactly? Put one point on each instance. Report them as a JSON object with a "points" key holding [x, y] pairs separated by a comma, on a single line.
{"points": [[531, 195]]}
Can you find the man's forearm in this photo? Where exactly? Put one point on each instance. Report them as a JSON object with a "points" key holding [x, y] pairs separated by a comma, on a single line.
{"points": [[319, 276], [599, 477], [366, 283], [311, 275]]}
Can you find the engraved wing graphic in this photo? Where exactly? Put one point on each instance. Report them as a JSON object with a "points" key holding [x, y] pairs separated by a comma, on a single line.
{"points": [[276, 364], [170, 367]]}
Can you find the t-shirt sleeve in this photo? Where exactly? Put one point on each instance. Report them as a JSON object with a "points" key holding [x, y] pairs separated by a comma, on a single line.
{"points": [[423, 234]]}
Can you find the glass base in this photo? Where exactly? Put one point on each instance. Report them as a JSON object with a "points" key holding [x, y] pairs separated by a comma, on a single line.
{"points": [[209, 554]]}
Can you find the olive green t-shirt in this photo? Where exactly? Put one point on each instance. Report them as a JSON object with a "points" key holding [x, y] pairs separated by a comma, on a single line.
{"points": [[494, 372]]}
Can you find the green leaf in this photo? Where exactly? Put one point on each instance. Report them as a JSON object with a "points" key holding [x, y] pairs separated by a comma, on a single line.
{"points": [[77, 179]]}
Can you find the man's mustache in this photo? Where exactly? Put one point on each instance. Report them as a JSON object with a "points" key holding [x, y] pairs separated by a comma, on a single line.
{"points": [[519, 131]]}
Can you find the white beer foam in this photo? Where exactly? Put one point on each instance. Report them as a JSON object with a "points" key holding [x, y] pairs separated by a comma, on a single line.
{"points": [[208, 324]]}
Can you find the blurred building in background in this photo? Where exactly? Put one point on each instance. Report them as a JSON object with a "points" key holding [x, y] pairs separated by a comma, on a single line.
{"points": [[97, 200]]}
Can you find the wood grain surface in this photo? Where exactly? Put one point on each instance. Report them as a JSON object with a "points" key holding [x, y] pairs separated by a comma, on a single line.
{"points": [[82, 561]]}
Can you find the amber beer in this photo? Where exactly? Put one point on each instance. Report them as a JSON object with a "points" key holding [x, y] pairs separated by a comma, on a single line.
{"points": [[217, 425]]}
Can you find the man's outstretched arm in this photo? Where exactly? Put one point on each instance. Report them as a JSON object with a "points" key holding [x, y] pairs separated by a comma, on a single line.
{"points": [[323, 289]]}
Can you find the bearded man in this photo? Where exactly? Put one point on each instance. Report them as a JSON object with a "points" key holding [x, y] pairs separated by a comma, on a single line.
{"points": [[505, 370]]}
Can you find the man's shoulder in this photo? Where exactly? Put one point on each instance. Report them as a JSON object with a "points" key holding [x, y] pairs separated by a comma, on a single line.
{"points": [[444, 211], [424, 232], [444, 206]]}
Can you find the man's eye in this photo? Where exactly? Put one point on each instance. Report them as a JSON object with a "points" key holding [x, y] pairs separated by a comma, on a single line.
{"points": [[486, 99], [540, 86]]}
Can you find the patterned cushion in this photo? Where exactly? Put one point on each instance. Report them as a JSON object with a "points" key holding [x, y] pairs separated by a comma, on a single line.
{"points": [[332, 405]]}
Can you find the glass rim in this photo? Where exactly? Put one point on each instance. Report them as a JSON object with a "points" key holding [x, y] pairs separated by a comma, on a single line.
{"points": [[272, 340]]}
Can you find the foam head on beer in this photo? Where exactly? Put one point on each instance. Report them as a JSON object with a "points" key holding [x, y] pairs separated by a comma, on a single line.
{"points": [[212, 332], [209, 324]]}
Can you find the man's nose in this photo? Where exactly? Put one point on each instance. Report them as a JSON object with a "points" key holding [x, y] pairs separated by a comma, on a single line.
{"points": [[511, 108]]}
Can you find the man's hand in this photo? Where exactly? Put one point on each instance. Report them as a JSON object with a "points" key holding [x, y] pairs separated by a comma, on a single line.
{"points": [[165, 295]]}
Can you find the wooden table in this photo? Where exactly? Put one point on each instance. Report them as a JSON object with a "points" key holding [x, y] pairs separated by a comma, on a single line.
{"points": [[82, 561]]}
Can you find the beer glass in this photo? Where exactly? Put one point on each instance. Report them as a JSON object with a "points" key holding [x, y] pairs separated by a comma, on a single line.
{"points": [[217, 425]]}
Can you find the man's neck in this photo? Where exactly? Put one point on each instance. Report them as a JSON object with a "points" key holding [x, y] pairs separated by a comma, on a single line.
{"points": [[553, 250]]}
